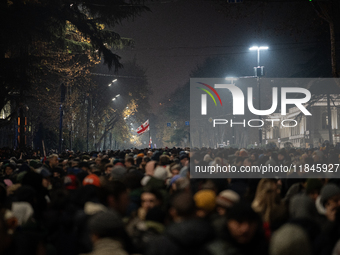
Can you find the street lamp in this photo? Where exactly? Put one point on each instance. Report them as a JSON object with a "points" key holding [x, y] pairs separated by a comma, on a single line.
{"points": [[112, 82], [258, 74], [258, 52]]}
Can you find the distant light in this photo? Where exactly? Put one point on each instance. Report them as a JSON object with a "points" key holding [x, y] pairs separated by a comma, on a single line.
{"points": [[124, 118], [259, 48], [110, 84], [127, 107], [118, 95], [114, 80], [113, 99], [231, 78]]}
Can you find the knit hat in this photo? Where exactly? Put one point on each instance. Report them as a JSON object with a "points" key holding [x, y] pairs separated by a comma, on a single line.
{"points": [[205, 200], [328, 191], [227, 198], [160, 173], [140, 155], [105, 224], [118, 172], [91, 179], [155, 156], [290, 239]]}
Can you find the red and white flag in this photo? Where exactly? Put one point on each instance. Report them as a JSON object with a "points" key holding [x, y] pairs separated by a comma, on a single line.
{"points": [[143, 128]]}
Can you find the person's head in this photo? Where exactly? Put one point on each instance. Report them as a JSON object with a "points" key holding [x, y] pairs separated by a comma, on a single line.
{"points": [[281, 155], [164, 160], [205, 201], [290, 239], [149, 154], [182, 206], [253, 157], [98, 160], [75, 163], [330, 200], [150, 198], [106, 225], [85, 167], [225, 200], [267, 196], [184, 159], [242, 223], [9, 169], [129, 162], [114, 195], [108, 168], [53, 160], [175, 168]]}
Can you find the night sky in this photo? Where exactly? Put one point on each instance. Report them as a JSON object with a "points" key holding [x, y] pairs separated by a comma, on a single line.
{"points": [[176, 36]]}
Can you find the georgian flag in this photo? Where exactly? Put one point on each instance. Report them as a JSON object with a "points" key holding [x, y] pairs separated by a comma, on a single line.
{"points": [[143, 128]]}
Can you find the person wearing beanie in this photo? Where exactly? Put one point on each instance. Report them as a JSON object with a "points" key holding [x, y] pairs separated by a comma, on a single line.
{"points": [[92, 179], [290, 239], [118, 172], [205, 201], [225, 200], [328, 203], [107, 234], [161, 173]]}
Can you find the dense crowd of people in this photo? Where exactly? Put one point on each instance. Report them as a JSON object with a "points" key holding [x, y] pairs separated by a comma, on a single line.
{"points": [[143, 201]]}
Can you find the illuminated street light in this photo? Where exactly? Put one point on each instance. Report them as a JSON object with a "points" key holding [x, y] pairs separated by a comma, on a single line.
{"points": [[258, 52], [231, 79], [112, 82]]}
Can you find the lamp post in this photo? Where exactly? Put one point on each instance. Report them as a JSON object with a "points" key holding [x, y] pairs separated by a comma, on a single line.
{"points": [[259, 71], [258, 52]]}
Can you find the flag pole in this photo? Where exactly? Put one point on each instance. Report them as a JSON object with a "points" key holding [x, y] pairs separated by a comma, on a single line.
{"points": [[149, 135]]}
